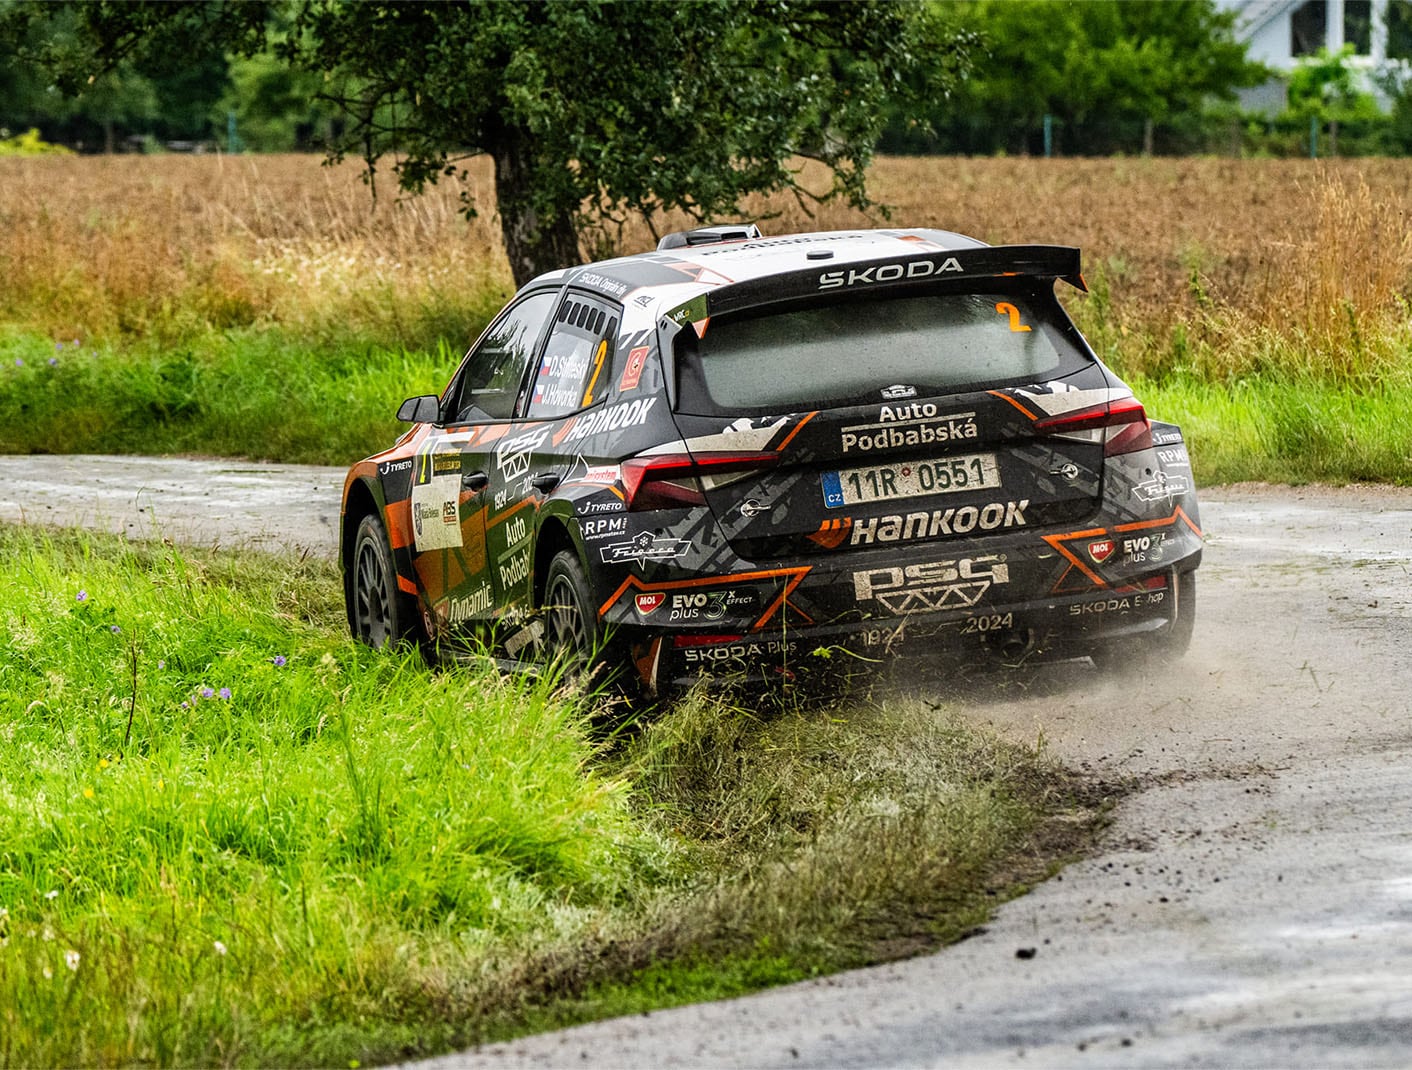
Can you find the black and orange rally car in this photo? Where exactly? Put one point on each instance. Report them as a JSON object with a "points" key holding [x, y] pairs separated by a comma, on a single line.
{"points": [[736, 451]]}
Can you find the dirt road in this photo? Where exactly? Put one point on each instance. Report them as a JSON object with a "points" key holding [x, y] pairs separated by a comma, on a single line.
{"points": [[1253, 905]]}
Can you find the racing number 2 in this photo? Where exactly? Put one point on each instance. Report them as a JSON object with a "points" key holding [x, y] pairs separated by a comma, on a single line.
{"points": [[1005, 308]]}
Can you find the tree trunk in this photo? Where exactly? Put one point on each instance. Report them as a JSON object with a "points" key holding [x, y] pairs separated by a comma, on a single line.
{"points": [[536, 241]]}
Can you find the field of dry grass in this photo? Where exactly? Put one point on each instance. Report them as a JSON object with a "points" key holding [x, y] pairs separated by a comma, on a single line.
{"points": [[1211, 248], [249, 299]]}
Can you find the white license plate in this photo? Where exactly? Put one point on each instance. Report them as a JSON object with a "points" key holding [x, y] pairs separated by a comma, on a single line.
{"points": [[910, 479]]}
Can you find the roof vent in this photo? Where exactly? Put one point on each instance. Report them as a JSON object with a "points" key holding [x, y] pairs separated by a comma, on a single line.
{"points": [[709, 235]]}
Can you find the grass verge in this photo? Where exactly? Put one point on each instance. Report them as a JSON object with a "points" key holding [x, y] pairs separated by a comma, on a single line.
{"points": [[256, 393], [235, 838]]}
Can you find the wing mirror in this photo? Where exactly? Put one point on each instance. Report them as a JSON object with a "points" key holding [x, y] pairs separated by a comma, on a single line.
{"points": [[422, 410]]}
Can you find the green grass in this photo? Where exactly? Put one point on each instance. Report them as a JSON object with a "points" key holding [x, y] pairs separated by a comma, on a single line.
{"points": [[256, 393], [349, 857], [1288, 430]]}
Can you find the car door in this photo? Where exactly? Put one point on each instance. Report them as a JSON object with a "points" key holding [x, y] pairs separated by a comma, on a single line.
{"points": [[571, 374], [456, 480]]}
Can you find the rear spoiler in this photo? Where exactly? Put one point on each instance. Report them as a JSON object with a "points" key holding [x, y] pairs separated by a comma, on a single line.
{"points": [[892, 273]]}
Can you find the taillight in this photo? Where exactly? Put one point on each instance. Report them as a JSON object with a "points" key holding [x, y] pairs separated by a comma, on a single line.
{"points": [[1124, 425], [673, 480]]}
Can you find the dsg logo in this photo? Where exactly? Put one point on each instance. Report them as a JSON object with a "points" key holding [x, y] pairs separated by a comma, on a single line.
{"points": [[935, 585]]}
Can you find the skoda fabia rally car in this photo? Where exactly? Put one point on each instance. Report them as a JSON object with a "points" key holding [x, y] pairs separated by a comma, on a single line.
{"points": [[738, 454]]}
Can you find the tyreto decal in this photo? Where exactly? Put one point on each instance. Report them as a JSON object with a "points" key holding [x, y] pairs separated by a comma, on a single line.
{"points": [[436, 492], [932, 586]]}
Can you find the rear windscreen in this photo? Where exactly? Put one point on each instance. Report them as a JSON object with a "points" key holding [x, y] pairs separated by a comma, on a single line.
{"points": [[823, 357]]}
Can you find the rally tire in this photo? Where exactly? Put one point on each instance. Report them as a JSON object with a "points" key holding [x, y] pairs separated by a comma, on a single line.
{"points": [[379, 613], [1174, 642], [571, 631]]}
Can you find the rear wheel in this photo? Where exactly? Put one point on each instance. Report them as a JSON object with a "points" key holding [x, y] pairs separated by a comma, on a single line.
{"points": [[1173, 643], [378, 612], [1167, 645], [571, 629]]}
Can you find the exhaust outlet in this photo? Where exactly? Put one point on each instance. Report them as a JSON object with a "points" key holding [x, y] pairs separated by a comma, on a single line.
{"points": [[1012, 645]]}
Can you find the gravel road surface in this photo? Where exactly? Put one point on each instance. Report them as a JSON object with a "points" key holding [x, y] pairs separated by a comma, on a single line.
{"points": [[1252, 906]]}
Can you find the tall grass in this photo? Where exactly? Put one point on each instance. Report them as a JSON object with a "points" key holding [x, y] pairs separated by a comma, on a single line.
{"points": [[229, 836]]}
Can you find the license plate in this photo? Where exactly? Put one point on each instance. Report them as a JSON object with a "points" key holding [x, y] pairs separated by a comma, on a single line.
{"points": [[910, 479]]}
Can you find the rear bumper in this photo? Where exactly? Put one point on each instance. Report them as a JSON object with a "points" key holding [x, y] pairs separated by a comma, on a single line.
{"points": [[1052, 626]]}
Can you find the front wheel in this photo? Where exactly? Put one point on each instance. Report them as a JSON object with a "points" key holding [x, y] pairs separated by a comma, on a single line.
{"points": [[378, 613]]}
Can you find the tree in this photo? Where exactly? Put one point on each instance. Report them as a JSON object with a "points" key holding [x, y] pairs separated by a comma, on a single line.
{"points": [[588, 108], [1106, 71]]}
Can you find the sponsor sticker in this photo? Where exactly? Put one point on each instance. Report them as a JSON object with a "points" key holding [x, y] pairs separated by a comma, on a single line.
{"points": [[476, 604], [1161, 487], [892, 433], [938, 523], [644, 547], [723, 652], [898, 390], [436, 490], [601, 529], [1118, 603], [637, 359], [937, 585], [709, 605], [1101, 550], [647, 604], [613, 418], [512, 455]]}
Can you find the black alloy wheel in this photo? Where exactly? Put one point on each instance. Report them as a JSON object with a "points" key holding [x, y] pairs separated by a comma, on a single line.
{"points": [[380, 615], [571, 626]]}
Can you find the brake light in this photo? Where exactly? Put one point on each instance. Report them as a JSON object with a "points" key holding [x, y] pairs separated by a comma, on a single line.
{"points": [[673, 480], [1124, 425]]}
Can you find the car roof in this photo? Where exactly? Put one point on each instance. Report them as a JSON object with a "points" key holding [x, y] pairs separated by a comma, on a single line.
{"points": [[722, 263], [664, 279]]}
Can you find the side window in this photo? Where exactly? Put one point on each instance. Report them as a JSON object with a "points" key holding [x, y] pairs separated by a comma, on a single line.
{"points": [[490, 378], [573, 372]]}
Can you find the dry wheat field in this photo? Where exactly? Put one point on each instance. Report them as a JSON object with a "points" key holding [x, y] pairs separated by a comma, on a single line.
{"points": [[1220, 250]]}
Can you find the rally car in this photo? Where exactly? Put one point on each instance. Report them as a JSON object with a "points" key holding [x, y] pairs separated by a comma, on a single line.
{"points": [[739, 455]]}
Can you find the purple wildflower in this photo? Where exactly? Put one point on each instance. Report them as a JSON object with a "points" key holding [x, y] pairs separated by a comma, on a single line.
{"points": [[19, 363], [58, 345], [186, 705], [278, 661], [225, 692], [82, 596], [161, 664], [206, 692], [53, 362], [116, 629]]}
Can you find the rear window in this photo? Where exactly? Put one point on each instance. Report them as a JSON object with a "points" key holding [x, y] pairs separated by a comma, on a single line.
{"points": [[828, 356]]}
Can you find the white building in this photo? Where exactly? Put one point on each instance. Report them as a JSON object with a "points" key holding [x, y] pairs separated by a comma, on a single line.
{"points": [[1279, 32]]}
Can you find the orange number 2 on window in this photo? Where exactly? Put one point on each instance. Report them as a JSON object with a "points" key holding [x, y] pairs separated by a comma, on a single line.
{"points": [[1005, 308]]}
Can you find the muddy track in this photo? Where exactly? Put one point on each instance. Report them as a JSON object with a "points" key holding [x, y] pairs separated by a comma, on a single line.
{"points": [[1252, 903]]}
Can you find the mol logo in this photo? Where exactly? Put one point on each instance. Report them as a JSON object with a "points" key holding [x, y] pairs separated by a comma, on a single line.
{"points": [[648, 604], [936, 585], [1101, 550]]}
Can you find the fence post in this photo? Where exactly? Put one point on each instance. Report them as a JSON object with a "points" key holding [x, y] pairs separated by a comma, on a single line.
{"points": [[1048, 136]]}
